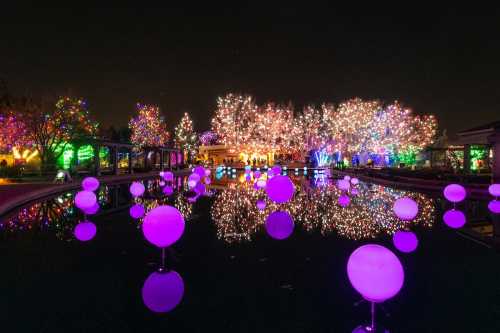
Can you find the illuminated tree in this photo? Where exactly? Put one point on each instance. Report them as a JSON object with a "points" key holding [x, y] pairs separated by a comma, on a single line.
{"points": [[185, 137], [13, 133], [148, 127]]}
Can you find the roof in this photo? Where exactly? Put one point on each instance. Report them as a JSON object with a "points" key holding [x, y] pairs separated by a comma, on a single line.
{"points": [[490, 126]]}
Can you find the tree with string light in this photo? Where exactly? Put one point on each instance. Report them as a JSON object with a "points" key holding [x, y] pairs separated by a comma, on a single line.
{"points": [[148, 127], [185, 138]]}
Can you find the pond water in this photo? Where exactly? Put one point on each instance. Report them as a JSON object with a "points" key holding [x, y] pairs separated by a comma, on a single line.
{"points": [[229, 273]]}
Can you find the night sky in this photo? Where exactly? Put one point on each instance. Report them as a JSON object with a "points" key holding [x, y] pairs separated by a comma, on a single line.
{"points": [[444, 61]]}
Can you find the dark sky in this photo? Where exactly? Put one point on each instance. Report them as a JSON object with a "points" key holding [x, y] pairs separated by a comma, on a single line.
{"points": [[436, 60]]}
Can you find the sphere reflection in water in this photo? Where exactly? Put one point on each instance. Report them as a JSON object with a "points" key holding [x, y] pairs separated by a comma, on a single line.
{"points": [[163, 226], [168, 190], [85, 231], [494, 206], [454, 218], [405, 241], [375, 272], [405, 208], [85, 200], [276, 170], [92, 210], [137, 189], [494, 190], [261, 204], [90, 184], [256, 174], [279, 225], [161, 183], [354, 191], [137, 211], [163, 291], [168, 176], [343, 185], [280, 189], [454, 192], [344, 200]]}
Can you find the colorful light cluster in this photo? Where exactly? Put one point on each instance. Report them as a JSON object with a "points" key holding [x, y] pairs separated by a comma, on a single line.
{"points": [[13, 133], [185, 137], [208, 138], [148, 127]]}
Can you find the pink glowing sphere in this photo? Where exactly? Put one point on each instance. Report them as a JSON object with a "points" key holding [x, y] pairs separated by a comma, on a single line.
{"points": [[343, 185], [207, 180], [92, 210], [261, 204], [85, 200], [347, 177], [200, 171], [85, 231], [192, 184], [137, 211], [354, 181], [494, 206], [344, 200], [280, 189], [256, 174], [494, 190], [168, 176], [454, 218], [354, 191], [261, 183], [90, 184], [405, 241], [405, 208], [163, 291], [207, 172], [163, 226], [279, 225], [375, 272], [161, 183], [168, 190], [276, 169], [162, 174], [137, 189], [194, 177], [454, 192]]}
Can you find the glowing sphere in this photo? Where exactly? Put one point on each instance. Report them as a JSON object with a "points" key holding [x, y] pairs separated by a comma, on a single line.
{"points": [[454, 192], [163, 291], [162, 183], [454, 218], [200, 171], [85, 231], [405, 241], [168, 176], [261, 204], [494, 206], [90, 184], [92, 210], [162, 174], [207, 180], [85, 200], [494, 190], [347, 177], [194, 177], [343, 185], [276, 169], [200, 188], [405, 208], [256, 174], [163, 226], [354, 191], [354, 181], [207, 172], [192, 183], [137, 211], [168, 190], [375, 272], [270, 174], [137, 189], [344, 200], [261, 183], [279, 225], [280, 189]]}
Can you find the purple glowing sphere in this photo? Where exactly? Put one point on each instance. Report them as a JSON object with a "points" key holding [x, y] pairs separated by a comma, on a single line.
{"points": [[347, 177], [90, 184], [256, 174], [494, 190], [454, 192], [207, 172], [354, 191], [354, 181], [85, 231], [375, 272], [261, 183], [261, 204], [137, 189], [168, 190], [168, 176], [85, 200], [494, 206], [344, 200], [92, 210], [161, 183], [192, 184], [279, 225], [276, 169], [207, 180], [405, 208], [200, 171], [343, 185], [162, 174], [163, 226], [194, 177], [280, 189], [454, 218], [163, 291], [405, 241], [137, 211], [200, 188]]}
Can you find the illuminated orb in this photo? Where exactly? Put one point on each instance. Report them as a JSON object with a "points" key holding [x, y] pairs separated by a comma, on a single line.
{"points": [[85, 200], [279, 225], [207, 180], [276, 170], [454, 218], [454, 192], [261, 204], [137, 189], [90, 184], [207, 172], [163, 226], [494, 206], [200, 188], [354, 181], [344, 200], [280, 189], [256, 174], [405, 208], [200, 171], [137, 211], [270, 173], [168, 176], [343, 185], [162, 174], [162, 183], [194, 177], [261, 183], [168, 190], [85, 231], [347, 177], [494, 190], [192, 183], [163, 291], [92, 210], [375, 272], [354, 191], [405, 241]]}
